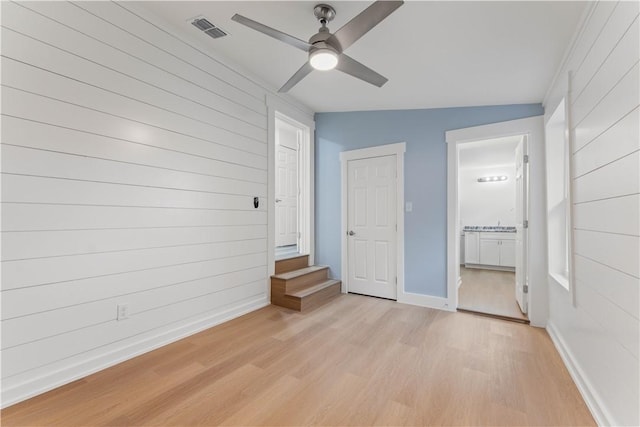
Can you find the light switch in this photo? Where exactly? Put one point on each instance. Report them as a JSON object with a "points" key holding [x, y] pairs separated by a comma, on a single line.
{"points": [[408, 207]]}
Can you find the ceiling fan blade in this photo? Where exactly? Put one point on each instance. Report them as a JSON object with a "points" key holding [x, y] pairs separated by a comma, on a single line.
{"points": [[348, 65], [279, 35], [361, 24], [295, 79]]}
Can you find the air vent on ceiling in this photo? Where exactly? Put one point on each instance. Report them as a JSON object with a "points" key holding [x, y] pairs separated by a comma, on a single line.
{"points": [[209, 29]]}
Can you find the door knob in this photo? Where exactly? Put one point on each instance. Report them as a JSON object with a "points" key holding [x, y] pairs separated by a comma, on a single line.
{"points": [[351, 233], [278, 200]]}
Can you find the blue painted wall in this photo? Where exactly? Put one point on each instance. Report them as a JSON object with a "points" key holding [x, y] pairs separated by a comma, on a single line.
{"points": [[425, 179]]}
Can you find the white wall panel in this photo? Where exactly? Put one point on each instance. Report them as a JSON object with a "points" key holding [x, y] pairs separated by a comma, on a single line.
{"points": [[619, 215], [618, 251], [59, 55], [24, 301], [40, 271], [27, 161], [33, 107], [619, 62], [130, 161], [25, 329], [31, 217], [588, 34], [605, 47], [30, 79], [617, 142], [620, 288], [26, 133], [623, 326], [622, 98], [37, 189], [28, 53], [41, 244], [616, 179], [598, 331]]}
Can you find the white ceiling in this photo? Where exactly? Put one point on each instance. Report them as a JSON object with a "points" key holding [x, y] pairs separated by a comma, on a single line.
{"points": [[435, 54], [489, 153]]}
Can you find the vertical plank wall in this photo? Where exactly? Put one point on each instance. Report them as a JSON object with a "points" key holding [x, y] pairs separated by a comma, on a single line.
{"points": [[599, 335], [130, 160]]}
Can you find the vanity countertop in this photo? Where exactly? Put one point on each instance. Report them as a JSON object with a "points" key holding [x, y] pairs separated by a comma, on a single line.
{"points": [[489, 228]]}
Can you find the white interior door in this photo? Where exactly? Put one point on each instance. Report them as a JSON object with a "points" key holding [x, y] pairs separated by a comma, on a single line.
{"points": [[286, 185], [522, 209], [371, 225]]}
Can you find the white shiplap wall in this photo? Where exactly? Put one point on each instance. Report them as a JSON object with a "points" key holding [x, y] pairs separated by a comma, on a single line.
{"points": [[598, 335], [130, 159]]}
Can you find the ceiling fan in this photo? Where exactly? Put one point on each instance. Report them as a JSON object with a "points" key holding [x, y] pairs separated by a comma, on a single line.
{"points": [[326, 50]]}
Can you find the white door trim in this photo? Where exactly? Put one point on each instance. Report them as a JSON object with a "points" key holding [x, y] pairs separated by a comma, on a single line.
{"points": [[276, 107], [398, 150], [533, 127]]}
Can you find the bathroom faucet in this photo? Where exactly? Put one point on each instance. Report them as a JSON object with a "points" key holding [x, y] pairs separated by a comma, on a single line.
{"points": [[498, 223]]}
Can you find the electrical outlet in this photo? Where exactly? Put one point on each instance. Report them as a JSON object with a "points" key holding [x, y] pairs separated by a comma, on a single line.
{"points": [[123, 311]]}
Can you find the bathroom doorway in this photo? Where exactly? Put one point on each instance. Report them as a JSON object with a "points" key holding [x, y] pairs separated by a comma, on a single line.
{"points": [[292, 188], [492, 203]]}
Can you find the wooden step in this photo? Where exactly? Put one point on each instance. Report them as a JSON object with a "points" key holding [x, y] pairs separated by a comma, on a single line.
{"points": [[303, 288], [302, 293], [310, 297], [290, 264], [295, 280]]}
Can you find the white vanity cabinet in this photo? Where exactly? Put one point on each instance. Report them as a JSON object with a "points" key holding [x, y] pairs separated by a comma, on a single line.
{"points": [[508, 252], [489, 251], [471, 248], [493, 249]]}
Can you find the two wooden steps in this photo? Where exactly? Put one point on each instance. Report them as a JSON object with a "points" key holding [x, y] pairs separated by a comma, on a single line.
{"points": [[298, 286]]}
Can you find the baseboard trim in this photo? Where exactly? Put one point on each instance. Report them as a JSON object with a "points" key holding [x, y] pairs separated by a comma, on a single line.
{"points": [[590, 396], [60, 377], [428, 301]]}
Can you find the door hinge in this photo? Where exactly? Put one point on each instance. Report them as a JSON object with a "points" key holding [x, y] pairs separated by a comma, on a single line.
{"points": [[525, 223], [525, 289], [525, 159], [396, 280]]}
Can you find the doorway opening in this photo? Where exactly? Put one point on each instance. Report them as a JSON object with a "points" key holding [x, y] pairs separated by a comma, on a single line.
{"points": [[492, 207], [292, 185]]}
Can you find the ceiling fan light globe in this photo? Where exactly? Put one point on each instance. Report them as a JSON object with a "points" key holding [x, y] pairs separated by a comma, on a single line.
{"points": [[323, 59]]}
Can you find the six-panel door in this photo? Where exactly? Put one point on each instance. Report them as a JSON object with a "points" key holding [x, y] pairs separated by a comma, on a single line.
{"points": [[371, 226]]}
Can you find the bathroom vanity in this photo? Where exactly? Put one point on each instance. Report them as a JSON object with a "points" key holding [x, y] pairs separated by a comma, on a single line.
{"points": [[490, 247]]}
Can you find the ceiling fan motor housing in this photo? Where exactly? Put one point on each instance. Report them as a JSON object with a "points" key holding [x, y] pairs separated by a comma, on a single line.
{"points": [[324, 13]]}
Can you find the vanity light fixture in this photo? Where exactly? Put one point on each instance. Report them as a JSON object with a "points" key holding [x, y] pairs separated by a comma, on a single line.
{"points": [[492, 178]]}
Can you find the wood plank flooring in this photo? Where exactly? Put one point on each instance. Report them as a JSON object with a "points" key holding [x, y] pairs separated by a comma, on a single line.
{"points": [[489, 291], [357, 361]]}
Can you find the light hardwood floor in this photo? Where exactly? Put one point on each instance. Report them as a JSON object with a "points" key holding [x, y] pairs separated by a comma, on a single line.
{"points": [[489, 291], [356, 361]]}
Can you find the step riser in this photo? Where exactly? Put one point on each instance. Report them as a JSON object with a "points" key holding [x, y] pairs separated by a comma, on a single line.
{"points": [[317, 299], [286, 265], [308, 302], [298, 283], [284, 301]]}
